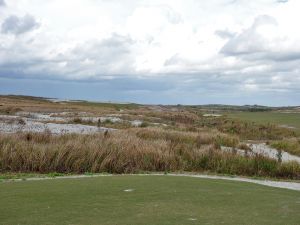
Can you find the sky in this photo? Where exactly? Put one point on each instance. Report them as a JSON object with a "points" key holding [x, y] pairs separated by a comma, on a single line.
{"points": [[153, 52]]}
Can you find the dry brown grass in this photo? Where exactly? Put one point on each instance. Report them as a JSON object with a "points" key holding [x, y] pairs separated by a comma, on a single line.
{"points": [[245, 129], [183, 117], [190, 142], [291, 145], [39, 105], [197, 138], [130, 151]]}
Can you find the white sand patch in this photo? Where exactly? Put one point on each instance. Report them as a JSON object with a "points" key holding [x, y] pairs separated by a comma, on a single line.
{"points": [[39, 122], [116, 115], [102, 119], [32, 126], [230, 149], [159, 124], [40, 116], [136, 123], [287, 126], [272, 152], [128, 190], [265, 150], [212, 115], [57, 100], [8, 117]]}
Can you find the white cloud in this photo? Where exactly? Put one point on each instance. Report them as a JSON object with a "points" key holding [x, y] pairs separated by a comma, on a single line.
{"points": [[218, 39]]}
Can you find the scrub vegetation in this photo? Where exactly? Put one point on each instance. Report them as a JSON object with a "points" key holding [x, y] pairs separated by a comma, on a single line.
{"points": [[145, 139], [139, 149], [291, 145], [166, 138]]}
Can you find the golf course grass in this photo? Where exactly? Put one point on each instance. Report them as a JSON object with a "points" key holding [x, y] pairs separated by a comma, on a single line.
{"points": [[287, 119], [131, 200]]}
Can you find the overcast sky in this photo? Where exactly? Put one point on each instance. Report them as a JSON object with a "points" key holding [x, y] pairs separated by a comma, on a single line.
{"points": [[155, 51]]}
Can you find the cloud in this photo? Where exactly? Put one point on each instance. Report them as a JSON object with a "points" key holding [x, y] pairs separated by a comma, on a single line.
{"points": [[225, 34], [110, 56], [92, 59], [249, 41], [19, 25], [262, 41], [2, 3], [220, 48], [282, 1]]}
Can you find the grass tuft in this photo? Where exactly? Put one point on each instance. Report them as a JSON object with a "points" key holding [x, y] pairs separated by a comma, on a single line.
{"points": [[139, 149]]}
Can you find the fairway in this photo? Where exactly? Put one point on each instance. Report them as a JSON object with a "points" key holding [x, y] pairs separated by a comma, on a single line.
{"points": [[145, 200], [287, 119]]}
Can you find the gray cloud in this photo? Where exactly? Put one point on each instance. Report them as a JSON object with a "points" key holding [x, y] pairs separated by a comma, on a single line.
{"points": [[18, 25], [174, 60], [250, 45], [282, 1], [178, 59], [166, 89], [112, 48], [2, 3], [93, 59], [110, 56], [249, 41], [225, 34]]}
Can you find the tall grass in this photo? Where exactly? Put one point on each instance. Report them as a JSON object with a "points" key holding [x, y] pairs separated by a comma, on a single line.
{"points": [[242, 128], [246, 129], [10, 110], [291, 145], [107, 123], [131, 151]]}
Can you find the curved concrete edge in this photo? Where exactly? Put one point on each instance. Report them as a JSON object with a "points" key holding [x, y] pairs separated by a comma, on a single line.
{"points": [[270, 183]]}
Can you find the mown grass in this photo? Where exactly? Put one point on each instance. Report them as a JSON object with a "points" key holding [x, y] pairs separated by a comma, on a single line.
{"points": [[132, 151], [156, 200], [289, 119]]}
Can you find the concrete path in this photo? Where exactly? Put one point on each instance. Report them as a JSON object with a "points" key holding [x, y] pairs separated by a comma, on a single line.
{"points": [[278, 184]]}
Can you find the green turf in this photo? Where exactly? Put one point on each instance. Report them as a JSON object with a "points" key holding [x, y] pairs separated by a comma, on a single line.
{"points": [[289, 119], [154, 200]]}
